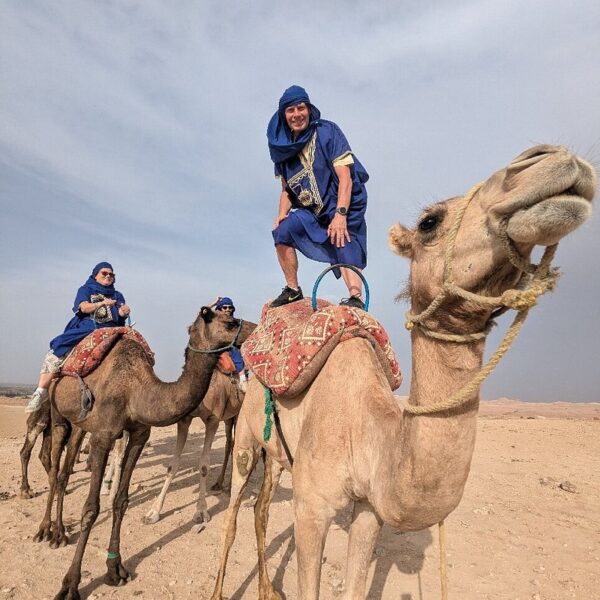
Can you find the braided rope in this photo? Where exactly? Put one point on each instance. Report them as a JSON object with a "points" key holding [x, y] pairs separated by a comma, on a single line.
{"points": [[542, 279], [465, 393]]}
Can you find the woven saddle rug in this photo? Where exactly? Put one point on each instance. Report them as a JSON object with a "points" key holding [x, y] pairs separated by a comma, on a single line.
{"points": [[292, 343], [88, 354]]}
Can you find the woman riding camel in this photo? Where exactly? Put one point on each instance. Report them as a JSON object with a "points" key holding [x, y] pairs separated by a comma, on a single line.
{"points": [[97, 304]]}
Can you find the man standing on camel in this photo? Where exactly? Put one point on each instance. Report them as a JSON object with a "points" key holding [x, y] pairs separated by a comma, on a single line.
{"points": [[323, 196]]}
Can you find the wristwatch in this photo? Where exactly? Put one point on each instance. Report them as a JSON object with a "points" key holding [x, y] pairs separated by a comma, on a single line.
{"points": [[341, 210]]}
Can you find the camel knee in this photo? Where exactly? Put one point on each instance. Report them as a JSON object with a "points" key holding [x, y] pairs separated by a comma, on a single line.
{"points": [[120, 505], [243, 464], [89, 516]]}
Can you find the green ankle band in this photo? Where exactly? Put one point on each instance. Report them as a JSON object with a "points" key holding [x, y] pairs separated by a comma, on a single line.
{"points": [[112, 555]]}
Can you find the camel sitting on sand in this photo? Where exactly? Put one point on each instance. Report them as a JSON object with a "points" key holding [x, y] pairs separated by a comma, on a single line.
{"points": [[351, 440], [128, 397], [222, 402]]}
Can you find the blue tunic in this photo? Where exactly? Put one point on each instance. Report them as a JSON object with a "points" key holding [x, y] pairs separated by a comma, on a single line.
{"points": [[236, 357], [313, 191], [82, 324]]}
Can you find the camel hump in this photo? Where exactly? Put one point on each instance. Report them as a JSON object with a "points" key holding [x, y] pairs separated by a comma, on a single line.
{"points": [[292, 343], [90, 352]]}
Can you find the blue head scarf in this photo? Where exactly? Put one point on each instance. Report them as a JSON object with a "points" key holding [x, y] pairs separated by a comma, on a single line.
{"points": [[282, 144], [106, 290], [225, 301]]}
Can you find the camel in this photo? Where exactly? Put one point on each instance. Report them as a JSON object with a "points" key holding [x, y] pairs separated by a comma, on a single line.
{"points": [[222, 402], [351, 440], [128, 397]]}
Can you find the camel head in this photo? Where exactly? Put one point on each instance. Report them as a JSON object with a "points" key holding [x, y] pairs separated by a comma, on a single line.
{"points": [[214, 329], [542, 195]]}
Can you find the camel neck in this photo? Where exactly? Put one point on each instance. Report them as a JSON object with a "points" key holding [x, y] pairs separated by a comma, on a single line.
{"points": [[166, 403], [436, 450]]}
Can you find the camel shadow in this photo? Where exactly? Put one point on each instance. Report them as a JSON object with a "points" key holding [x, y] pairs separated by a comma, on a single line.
{"points": [[406, 552]]}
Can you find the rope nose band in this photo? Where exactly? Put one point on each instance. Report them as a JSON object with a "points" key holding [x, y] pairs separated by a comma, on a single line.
{"points": [[541, 278]]}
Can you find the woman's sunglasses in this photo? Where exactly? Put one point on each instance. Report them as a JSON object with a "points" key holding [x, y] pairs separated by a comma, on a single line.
{"points": [[226, 307], [107, 274]]}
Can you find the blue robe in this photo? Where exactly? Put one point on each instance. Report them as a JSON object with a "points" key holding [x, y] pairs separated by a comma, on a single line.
{"points": [[82, 324], [305, 228]]}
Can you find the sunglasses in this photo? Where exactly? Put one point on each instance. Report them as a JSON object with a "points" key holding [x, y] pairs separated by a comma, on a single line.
{"points": [[226, 307], [107, 274]]}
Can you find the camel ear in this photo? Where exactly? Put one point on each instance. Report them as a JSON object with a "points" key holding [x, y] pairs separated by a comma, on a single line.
{"points": [[207, 314], [400, 240]]}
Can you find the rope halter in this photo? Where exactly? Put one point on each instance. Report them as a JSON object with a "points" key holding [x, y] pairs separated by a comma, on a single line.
{"points": [[538, 279]]}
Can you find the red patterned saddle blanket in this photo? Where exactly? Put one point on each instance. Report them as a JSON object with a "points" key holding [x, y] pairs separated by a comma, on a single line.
{"points": [[88, 354], [292, 343]]}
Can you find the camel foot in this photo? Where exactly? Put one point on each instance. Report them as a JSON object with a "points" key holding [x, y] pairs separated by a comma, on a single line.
{"points": [[198, 528], [201, 516], [44, 533], [117, 574], [152, 516], [270, 593], [68, 591], [59, 539], [26, 493]]}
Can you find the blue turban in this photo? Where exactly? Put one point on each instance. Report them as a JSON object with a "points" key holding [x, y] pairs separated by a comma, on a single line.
{"points": [[101, 265], [282, 144], [106, 290], [225, 301]]}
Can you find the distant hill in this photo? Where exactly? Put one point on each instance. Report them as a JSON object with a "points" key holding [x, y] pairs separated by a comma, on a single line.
{"points": [[10, 390]]}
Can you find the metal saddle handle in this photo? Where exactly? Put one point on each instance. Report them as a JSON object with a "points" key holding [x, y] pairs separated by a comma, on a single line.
{"points": [[352, 268]]}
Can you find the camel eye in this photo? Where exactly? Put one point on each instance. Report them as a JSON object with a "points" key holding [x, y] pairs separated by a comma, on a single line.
{"points": [[429, 223]]}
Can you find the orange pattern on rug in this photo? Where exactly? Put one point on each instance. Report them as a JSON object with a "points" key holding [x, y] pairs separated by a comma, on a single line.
{"points": [[88, 354], [292, 343]]}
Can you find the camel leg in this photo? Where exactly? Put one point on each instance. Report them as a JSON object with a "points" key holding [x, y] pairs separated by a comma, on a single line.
{"points": [[116, 573], [45, 454], [244, 461], [365, 528], [101, 444], [117, 463], [110, 483], [60, 435], [271, 478], [107, 481], [218, 486], [33, 432], [312, 520], [183, 427], [59, 537], [211, 425]]}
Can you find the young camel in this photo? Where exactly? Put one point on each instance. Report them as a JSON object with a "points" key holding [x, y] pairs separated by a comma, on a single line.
{"points": [[350, 439], [222, 402], [128, 397]]}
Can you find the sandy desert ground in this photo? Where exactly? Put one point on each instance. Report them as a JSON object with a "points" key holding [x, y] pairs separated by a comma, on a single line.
{"points": [[528, 527]]}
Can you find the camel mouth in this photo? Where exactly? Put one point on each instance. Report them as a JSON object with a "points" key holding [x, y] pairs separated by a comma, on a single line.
{"points": [[547, 221]]}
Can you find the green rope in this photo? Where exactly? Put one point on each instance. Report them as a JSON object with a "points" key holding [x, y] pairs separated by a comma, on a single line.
{"points": [[112, 555], [268, 415]]}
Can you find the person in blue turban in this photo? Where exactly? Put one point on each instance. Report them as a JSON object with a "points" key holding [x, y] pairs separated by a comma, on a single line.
{"points": [[97, 304], [225, 304], [323, 196]]}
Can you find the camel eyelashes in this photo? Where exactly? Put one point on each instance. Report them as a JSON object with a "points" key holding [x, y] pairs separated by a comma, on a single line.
{"points": [[428, 223]]}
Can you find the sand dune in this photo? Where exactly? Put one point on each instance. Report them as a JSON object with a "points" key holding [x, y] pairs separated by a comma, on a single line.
{"points": [[528, 526]]}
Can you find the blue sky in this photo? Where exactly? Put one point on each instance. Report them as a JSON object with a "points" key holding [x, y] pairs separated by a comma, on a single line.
{"points": [[134, 132]]}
